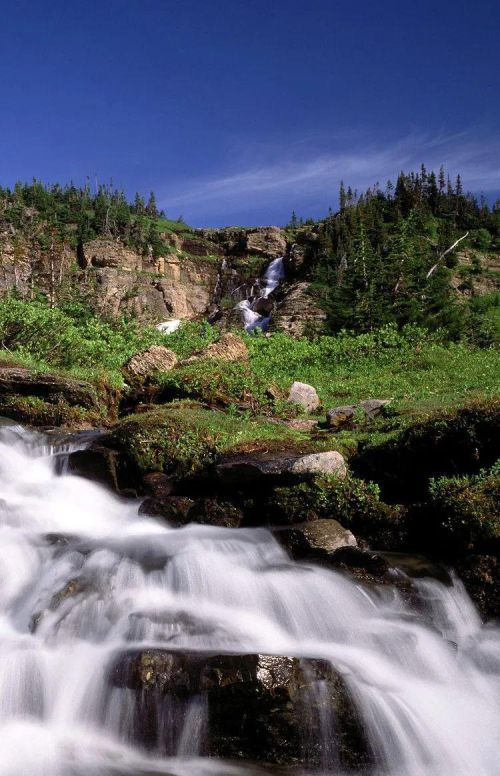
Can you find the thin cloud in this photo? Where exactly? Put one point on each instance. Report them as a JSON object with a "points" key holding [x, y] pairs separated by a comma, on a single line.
{"points": [[313, 179]]}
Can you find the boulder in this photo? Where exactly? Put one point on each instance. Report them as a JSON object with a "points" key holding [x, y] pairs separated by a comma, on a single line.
{"points": [[318, 539], [147, 363], [330, 462], [341, 417], [241, 470], [374, 407], [262, 708], [305, 395], [229, 347]]}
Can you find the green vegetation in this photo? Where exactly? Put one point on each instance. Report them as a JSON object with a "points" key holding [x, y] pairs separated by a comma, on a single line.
{"points": [[49, 216], [73, 341], [465, 509], [387, 255], [353, 502], [182, 438]]}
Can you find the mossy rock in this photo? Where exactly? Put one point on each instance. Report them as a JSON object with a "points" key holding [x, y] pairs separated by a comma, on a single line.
{"points": [[182, 439], [354, 503], [463, 511], [217, 383]]}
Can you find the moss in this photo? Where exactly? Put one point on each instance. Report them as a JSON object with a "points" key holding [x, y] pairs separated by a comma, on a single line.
{"points": [[184, 438], [456, 442], [218, 383], [37, 412], [354, 503]]}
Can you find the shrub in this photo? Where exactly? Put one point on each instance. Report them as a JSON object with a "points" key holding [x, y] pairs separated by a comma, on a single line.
{"points": [[353, 502], [465, 509]]}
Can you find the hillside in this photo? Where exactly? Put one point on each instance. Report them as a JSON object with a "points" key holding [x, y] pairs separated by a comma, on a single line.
{"points": [[383, 257]]}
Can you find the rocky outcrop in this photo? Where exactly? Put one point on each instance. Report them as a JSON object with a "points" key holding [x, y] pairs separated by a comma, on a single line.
{"points": [[229, 347], [50, 399], [149, 362], [263, 708], [297, 313]]}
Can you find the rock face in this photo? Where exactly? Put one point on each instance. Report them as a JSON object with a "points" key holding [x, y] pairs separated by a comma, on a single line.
{"points": [[305, 395], [261, 708], [268, 241], [149, 362], [330, 462], [297, 313]]}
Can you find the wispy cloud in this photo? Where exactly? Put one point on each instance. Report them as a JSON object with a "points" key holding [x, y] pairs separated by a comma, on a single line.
{"points": [[297, 177]]}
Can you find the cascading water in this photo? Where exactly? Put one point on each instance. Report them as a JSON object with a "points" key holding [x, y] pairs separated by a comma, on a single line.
{"points": [[84, 578], [273, 276]]}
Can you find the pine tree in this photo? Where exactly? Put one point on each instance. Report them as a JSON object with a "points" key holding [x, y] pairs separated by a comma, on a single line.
{"points": [[151, 208]]}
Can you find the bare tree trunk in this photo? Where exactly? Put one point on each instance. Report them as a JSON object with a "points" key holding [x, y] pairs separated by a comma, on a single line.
{"points": [[446, 252]]}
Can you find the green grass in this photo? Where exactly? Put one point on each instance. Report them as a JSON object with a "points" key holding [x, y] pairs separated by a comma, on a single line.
{"points": [[414, 369], [182, 438]]}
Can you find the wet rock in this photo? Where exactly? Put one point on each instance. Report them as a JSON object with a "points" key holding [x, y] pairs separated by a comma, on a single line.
{"points": [[263, 305], [97, 463], [374, 407], [330, 462], [305, 395], [174, 509], [262, 708], [341, 417], [481, 576], [212, 511], [317, 539], [149, 362]]}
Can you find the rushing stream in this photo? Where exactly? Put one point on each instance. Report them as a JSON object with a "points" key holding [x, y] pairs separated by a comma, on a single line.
{"points": [[427, 693], [272, 278]]}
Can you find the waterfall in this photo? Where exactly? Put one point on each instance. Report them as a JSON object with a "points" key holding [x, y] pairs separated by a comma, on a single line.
{"points": [[85, 580], [252, 318]]}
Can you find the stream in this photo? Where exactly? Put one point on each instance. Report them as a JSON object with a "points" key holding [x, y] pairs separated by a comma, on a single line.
{"points": [[84, 579]]}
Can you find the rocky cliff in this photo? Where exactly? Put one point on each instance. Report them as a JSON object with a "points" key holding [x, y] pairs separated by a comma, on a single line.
{"points": [[202, 274]]}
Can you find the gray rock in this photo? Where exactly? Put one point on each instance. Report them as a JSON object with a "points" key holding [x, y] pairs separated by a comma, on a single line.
{"points": [[317, 540], [330, 462], [340, 417], [325, 536], [149, 362], [374, 407], [305, 395]]}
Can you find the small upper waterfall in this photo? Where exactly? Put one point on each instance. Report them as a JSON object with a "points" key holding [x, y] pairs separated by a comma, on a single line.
{"points": [[255, 313], [85, 579]]}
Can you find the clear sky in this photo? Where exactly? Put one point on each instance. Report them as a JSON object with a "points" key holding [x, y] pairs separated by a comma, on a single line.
{"points": [[238, 111]]}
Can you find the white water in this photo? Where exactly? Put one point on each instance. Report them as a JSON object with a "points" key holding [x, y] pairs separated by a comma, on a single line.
{"points": [[168, 327], [273, 276], [431, 708]]}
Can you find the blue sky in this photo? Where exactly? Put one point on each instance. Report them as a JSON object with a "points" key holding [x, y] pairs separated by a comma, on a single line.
{"points": [[240, 111]]}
